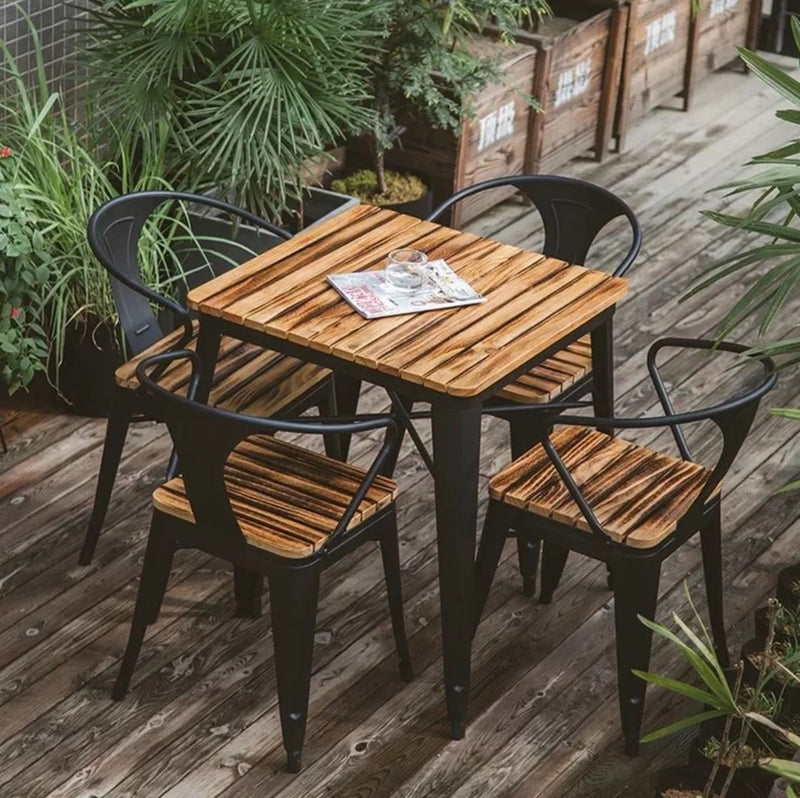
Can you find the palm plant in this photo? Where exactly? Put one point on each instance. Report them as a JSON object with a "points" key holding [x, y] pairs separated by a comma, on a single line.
{"points": [[773, 220], [233, 95]]}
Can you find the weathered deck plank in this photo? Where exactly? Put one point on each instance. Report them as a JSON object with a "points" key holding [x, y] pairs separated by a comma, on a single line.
{"points": [[201, 719]]}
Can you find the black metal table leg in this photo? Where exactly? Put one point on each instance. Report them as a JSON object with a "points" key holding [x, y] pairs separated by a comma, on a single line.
{"points": [[208, 341], [456, 452], [347, 390], [603, 369]]}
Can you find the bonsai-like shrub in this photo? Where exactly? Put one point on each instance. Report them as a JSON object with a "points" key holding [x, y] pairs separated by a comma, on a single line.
{"points": [[425, 67]]}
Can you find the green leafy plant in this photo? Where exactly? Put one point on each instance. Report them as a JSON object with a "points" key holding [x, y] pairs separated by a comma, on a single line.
{"points": [[773, 220], [750, 713], [24, 273], [60, 177], [234, 95], [426, 68]]}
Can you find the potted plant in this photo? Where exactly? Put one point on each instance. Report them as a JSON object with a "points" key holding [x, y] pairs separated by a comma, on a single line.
{"points": [[233, 96], [24, 274], [58, 169], [746, 719], [426, 74]]}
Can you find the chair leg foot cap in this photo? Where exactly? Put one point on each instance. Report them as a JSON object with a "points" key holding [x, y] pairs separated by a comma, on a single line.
{"points": [[529, 587], [406, 671], [458, 730], [632, 747], [85, 558], [118, 692], [253, 610], [545, 599], [294, 761]]}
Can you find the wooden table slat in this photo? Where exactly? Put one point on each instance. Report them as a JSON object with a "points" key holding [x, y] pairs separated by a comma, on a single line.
{"points": [[532, 301]]}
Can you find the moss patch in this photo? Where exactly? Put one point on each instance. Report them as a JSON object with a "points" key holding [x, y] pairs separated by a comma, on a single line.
{"points": [[364, 185]]}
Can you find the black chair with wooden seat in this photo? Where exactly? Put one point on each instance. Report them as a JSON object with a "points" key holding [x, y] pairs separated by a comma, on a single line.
{"points": [[247, 378], [274, 510], [580, 489], [573, 212]]}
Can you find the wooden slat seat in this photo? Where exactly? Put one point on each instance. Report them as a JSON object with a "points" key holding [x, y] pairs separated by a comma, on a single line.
{"points": [[286, 499], [247, 378], [636, 494], [548, 380]]}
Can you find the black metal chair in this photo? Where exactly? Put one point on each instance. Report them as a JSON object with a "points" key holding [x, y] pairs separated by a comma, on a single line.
{"points": [[573, 212], [272, 509], [584, 490], [246, 379]]}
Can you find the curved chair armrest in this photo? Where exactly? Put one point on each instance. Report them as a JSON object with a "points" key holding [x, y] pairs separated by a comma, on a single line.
{"points": [[233, 427]]}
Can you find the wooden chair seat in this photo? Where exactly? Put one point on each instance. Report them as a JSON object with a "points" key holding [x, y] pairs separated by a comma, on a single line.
{"points": [[636, 494], [247, 379], [548, 380], [286, 499]]}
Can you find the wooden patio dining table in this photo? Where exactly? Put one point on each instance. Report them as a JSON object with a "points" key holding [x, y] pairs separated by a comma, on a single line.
{"points": [[454, 359]]}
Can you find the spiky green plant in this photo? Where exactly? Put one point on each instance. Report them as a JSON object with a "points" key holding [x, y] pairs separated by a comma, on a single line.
{"points": [[234, 95], [773, 221], [62, 177]]}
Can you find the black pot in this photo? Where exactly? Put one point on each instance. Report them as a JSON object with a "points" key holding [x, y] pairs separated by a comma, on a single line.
{"points": [[789, 693], [785, 593], [86, 374], [421, 208], [747, 783], [761, 621]]}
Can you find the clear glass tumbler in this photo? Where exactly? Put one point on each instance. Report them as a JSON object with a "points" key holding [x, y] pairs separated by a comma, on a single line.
{"points": [[406, 270]]}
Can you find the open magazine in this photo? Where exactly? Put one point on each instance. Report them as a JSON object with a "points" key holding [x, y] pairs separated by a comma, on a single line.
{"points": [[370, 295]]}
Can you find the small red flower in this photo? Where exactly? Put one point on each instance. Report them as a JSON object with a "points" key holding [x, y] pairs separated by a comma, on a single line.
{"points": [[14, 313], [5, 152]]}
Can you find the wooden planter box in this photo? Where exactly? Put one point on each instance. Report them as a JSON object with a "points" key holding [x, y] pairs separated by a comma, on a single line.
{"points": [[578, 73], [658, 57], [669, 48], [724, 25], [491, 144]]}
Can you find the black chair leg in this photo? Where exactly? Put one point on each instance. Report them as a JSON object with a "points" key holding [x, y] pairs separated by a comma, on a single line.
{"points": [[523, 436], [248, 587], [493, 537], [153, 581], [293, 599], [116, 432], [327, 407], [635, 594], [554, 558], [711, 544], [390, 552], [346, 390]]}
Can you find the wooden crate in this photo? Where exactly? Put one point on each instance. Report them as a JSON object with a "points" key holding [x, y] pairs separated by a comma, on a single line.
{"points": [[724, 25], [659, 51], [578, 73], [491, 144]]}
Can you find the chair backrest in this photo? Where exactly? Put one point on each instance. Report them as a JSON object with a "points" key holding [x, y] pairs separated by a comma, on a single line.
{"points": [[204, 437], [733, 417], [114, 232], [572, 211]]}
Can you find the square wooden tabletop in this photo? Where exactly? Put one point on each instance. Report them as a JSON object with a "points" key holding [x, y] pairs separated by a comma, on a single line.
{"points": [[532, 301]]}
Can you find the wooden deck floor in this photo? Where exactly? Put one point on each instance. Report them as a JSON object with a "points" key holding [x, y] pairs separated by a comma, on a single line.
{"points": [[201, 719]]}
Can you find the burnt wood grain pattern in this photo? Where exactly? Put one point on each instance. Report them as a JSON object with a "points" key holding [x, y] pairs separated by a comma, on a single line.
{"points": [[202, 720], [285, 498], [531, 303]]}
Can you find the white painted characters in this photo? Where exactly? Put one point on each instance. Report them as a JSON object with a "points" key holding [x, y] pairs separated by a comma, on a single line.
{"points": [[720, 6], [573, 82], [661, 31], [496, 125]]}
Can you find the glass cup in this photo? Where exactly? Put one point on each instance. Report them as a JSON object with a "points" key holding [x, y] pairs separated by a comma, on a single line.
{"points": [[406, 270]]}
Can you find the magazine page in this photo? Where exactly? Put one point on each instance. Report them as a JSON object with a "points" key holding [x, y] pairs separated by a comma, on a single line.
{"points": [[373, 298]]}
